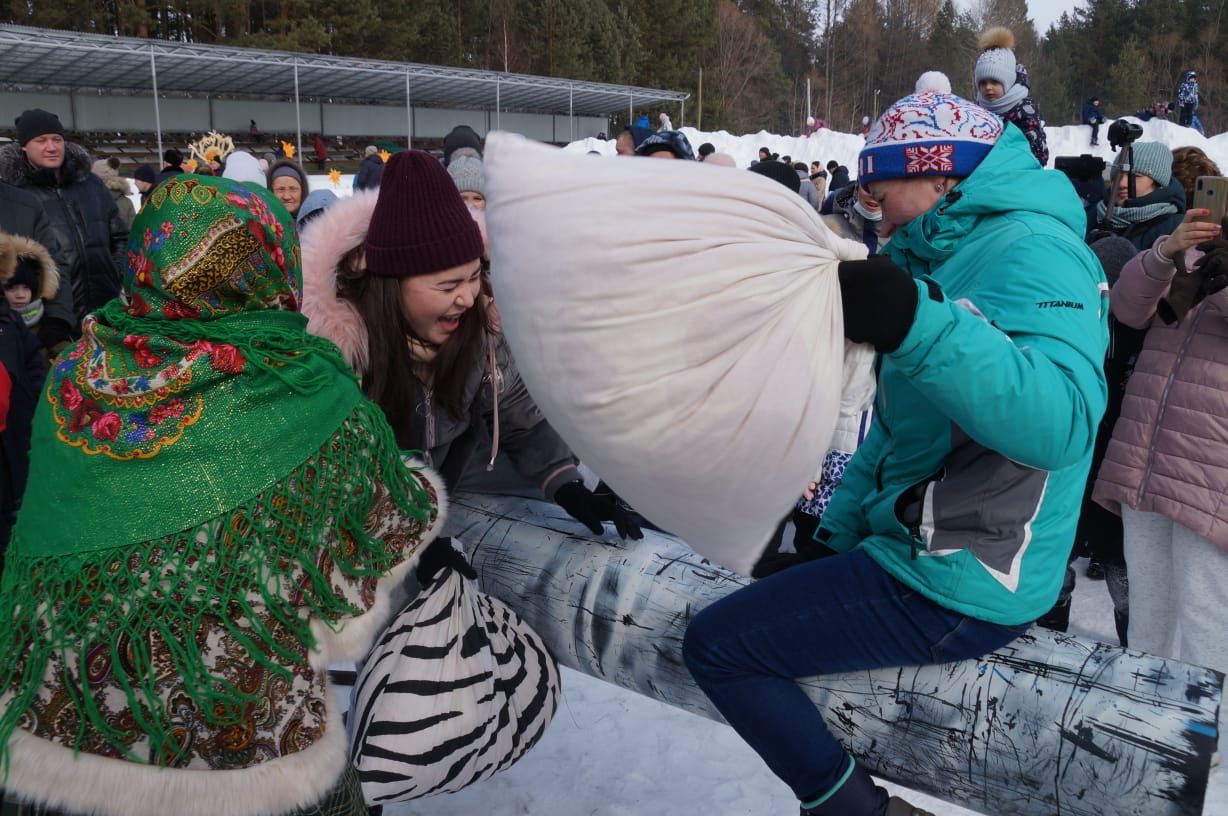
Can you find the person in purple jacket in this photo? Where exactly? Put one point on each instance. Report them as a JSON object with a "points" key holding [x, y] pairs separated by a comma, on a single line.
{"points": [[1166, 468]]}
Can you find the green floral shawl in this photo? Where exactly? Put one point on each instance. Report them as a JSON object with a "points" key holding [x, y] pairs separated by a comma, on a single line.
{"points": [[182, 403]]}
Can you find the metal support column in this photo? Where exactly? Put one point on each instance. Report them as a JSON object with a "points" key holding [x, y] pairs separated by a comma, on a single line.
{"points": [[298, 121], [153, 71], [630, 109], [498, 102], [681, 113], [409, 113], [571, 109]]}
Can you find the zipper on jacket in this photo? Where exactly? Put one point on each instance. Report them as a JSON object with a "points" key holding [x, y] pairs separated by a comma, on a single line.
{"points": [[1168, 388], [914, 541], [428, 402]]}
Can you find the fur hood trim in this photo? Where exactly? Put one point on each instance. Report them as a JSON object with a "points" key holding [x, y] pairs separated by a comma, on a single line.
{"points": [[14, 248], [116, 184], [325, 240], [17, 171]]}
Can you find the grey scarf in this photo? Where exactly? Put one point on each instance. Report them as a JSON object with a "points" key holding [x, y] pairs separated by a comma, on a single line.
{"points": [[1003, 104], [1124, 217]]}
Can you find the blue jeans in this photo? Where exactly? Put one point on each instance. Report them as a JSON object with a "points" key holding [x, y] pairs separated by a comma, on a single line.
{"points": [[837, 614]]}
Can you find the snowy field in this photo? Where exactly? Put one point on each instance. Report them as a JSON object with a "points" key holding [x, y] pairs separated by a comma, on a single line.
{"points": [[611, 752], [1071, 140]]}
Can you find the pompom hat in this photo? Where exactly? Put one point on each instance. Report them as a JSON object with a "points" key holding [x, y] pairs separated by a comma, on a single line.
{"points": [[997, 60], [467, 171], [928, 134], [420, 224]]}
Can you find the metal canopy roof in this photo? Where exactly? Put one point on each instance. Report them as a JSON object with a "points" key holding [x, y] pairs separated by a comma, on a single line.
{"points": [[45, 58]]}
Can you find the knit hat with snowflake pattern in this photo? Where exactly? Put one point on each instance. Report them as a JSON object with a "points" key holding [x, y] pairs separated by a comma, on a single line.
{"points": [[928, 134]]}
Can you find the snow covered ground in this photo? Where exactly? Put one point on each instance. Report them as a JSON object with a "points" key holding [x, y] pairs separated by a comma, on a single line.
{"points": [[611, 752]]}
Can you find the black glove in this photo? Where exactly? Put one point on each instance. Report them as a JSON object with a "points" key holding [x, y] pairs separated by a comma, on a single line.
{"points": [[440, 555], [879, 300], [590, 510], [1213, 265]]}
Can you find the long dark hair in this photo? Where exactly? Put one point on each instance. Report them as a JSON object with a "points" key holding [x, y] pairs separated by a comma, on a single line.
{"points": [[389, 380]]}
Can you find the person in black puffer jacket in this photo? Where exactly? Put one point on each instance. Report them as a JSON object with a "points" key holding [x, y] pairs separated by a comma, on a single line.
{"points": [[22, 214], [81, 211]]}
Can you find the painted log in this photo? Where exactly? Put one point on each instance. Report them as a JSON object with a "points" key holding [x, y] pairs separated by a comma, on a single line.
{"points": [[1051, 724]]}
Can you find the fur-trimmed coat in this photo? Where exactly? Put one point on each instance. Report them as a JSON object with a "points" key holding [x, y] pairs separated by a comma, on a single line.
{"points": [[50, 330], [21, 354], [499, 412], [118, 188], [84, 218]]}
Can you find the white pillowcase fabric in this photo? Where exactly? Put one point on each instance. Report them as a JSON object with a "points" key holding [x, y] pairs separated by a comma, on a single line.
{"points": [[679, 326]]}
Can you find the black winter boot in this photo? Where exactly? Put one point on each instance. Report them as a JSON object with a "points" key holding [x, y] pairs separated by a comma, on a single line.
{"points": [[898, 807], [1122, 621], [858, 796], [1057, 618]]}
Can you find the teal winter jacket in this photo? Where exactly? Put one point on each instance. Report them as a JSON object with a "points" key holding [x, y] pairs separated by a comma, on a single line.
{"points": [[968, 487]]}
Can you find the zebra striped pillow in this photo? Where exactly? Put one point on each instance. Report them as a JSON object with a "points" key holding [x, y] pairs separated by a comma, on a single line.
{"points": [[457, 688]]}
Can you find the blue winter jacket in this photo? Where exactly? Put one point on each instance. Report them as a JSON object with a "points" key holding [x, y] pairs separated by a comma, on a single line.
{"points": [[968, 487]]}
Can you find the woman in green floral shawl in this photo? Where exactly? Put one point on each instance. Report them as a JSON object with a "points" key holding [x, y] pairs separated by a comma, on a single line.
{"points": [[214, 513]]}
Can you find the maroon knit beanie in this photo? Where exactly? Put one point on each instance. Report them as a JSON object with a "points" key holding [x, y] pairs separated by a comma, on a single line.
{"points": [[420, 224]]}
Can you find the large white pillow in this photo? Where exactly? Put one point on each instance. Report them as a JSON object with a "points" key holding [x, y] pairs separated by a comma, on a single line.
{"points": [[680, 327]]}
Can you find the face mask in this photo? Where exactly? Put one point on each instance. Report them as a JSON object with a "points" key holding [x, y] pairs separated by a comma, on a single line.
{"points": [[869, 215]]}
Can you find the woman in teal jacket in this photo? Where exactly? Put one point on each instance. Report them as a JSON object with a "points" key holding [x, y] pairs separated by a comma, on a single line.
{"points": [[950, 532]]}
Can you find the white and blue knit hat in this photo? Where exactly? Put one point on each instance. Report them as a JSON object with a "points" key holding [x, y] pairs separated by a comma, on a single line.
{"points": [[928, 134], [997, 59]]}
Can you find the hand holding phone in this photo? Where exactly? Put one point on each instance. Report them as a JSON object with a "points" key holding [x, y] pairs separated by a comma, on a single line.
{"points": [[1195, 229]]}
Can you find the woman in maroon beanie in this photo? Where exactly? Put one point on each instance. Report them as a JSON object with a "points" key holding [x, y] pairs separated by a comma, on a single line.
{"points": [[394, 277]]}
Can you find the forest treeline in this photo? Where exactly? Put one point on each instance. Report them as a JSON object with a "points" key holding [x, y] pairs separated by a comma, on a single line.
{"points": [[756, 64]]}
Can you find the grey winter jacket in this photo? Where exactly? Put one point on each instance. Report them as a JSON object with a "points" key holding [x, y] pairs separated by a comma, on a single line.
{"points": [[841, 218], [119, 191], [808, 191], [501, 415], [84, 218], [1169, 452]]}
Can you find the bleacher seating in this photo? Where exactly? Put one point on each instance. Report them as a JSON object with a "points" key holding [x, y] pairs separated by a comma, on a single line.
{"points": [[136, 148]]}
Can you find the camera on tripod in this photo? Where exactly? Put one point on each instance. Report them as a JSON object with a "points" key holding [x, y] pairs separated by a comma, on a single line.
{"points": [[1080, 168], [1122, 133]]}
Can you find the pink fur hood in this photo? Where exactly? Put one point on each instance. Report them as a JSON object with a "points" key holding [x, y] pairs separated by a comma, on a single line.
{"points": [[325, 240]]}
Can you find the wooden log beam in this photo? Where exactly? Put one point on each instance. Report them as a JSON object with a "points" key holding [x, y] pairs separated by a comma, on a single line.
{"points": [[1051, 724]]}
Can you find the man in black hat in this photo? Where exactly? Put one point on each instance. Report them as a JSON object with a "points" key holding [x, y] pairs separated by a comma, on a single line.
{"points": [[145, 180], [172, 164], [460, 136], [81, 211]]}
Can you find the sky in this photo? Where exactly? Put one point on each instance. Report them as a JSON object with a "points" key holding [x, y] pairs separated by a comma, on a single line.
{"points": [[1042, 12], [1046, 12]]}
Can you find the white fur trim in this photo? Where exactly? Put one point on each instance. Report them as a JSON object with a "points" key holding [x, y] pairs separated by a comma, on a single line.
{"points": [[325, 240], [48, 773], [353, 640]]}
